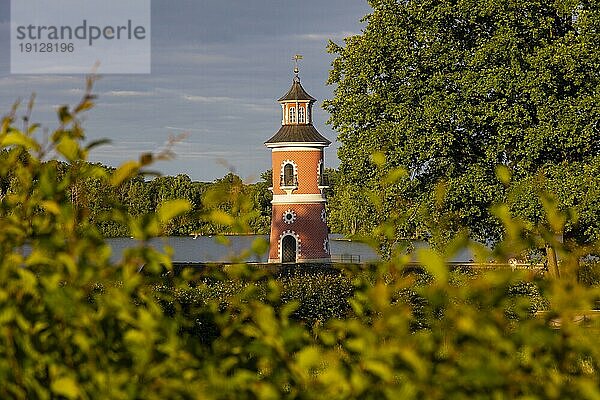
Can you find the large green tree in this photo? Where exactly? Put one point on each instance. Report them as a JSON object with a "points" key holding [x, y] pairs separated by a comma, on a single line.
{"points": [[449, 90]]}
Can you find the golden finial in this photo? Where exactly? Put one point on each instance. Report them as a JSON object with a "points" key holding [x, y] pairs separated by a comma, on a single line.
{"points": [[297, 58]]}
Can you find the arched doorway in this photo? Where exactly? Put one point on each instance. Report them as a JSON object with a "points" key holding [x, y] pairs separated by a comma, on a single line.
{"points": [[288, 249]]}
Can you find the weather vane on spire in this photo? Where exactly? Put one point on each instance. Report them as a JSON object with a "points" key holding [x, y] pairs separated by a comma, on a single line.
{"points": [[296, 58]]}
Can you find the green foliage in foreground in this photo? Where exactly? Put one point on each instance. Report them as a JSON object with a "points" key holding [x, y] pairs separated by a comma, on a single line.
{"points": [[319, 294], [74, 325]]}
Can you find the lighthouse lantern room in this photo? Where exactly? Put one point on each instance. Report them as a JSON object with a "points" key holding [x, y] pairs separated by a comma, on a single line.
{"points": [[299, 232]]}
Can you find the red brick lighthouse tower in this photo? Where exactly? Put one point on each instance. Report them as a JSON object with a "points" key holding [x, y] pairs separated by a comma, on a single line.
{"points": [[298, 225]]}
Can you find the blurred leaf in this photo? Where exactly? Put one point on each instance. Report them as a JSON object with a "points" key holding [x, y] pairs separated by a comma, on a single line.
{"points": [[221, 217], [64, 115], [97, 143], [503, 174], [146, 159], [85, 105], [173, 208], [68, 148], [378, 158], [126, 171], [395, 175], [66, 387], [434, 264], [309, 357], [379, 368], [52, 207], [17, 138]]}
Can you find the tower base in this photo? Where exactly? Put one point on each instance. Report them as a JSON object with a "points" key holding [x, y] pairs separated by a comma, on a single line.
{"points": [[308, 261]]}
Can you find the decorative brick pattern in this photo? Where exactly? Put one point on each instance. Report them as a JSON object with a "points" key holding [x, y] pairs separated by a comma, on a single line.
{"points": [[308, 226], [306, 167]]}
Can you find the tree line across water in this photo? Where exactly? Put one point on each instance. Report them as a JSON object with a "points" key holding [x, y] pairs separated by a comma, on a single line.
{"points": [[140, 195], [144, 194]]}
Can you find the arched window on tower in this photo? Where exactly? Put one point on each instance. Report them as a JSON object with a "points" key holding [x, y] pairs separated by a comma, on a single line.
{"points": [[289, 176], [321, 174], [323, 181], [292, 115], [301, 115]]}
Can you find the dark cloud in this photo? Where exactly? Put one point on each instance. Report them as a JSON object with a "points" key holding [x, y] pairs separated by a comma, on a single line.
{"points": [[243, 21], [218, 68]]}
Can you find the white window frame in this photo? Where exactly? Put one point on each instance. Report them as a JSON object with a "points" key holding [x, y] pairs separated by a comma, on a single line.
{"points": [[294, 175], [301, 115]]}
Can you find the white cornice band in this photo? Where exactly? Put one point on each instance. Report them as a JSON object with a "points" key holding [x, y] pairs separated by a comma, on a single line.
{"points": [[295, 145], [304, 148], [297, 198]]}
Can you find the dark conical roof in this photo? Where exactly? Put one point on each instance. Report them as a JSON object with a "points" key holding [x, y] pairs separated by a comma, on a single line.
{"points": [[297, 92], [298, 134]]}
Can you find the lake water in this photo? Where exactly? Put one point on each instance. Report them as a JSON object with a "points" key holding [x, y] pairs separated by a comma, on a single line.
{"points": [[208, 249]]}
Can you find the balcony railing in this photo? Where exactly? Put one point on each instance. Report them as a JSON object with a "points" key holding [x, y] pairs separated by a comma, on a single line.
{"points": [[292, 181], [324, 180], [346, 258], [288, 181]]}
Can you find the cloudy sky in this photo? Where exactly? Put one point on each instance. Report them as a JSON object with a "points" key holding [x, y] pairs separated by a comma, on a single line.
{"points": [[218, 67]]}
